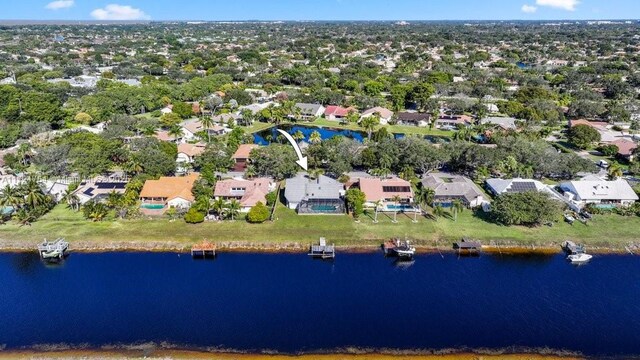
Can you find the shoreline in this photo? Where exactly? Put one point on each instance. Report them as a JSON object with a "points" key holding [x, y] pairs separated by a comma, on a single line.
{"points": [[144, 352], [89, 246]]}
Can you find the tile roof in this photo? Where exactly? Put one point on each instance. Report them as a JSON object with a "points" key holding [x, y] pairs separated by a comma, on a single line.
{"points": [[625, 147], [337, 110], [253, 190], [374, 188], [244, 151], [191, 149], [384, 113], [170, 187]]}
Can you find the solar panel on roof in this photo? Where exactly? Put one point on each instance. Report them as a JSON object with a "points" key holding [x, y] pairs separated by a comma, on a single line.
{"points": [[89, 191], [111, 185], [522, 186]]}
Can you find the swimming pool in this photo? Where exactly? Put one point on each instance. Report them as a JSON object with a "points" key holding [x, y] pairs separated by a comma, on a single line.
{"points": [[402, 207], [152, 206]]}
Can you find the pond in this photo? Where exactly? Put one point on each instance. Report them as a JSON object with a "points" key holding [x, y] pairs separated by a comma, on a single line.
{"points": [[270, 135], [290, 303]]}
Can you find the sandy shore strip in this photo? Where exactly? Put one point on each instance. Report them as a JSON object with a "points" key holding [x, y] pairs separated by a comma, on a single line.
{"points": [[89, 246], [185, 354]]}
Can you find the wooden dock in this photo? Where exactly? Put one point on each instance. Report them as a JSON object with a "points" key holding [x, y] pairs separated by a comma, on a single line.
{"points": [[467, 247], [322, 250], [203, 249]]}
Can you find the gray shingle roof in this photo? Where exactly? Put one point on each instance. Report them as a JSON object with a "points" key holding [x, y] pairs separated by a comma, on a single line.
{"points": [[450, 185], [302, 187]]}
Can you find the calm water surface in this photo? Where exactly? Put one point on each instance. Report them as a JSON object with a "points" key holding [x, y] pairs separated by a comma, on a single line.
{"points": [[291, 303]]}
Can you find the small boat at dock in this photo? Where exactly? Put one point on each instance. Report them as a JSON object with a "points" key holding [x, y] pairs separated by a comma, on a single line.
{"points": [[579, 258], [55, 250], [322, 250], [399, 248]]}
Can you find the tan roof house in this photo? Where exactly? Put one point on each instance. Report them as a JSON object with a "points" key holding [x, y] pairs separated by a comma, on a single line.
{"points": [[168, 191], [385, 114], [247, 192], [385, 191], [187, 152], [241, 156]]}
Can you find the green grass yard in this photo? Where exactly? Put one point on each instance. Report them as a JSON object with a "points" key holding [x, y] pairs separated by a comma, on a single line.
{"points": [[610, 231]]}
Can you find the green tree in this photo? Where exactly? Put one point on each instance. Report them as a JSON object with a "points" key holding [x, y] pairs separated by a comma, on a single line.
{"points": [[355, 200], [583, 136], [369, 124], [193, 216], [258, 214], [529, 208], [232, 209], [457, 207]]}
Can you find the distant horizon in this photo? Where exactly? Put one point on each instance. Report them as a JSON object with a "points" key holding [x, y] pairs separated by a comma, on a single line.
{"points": [[320, 10]]}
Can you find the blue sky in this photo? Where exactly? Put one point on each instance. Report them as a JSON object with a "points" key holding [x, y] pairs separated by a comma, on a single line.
{"points": [[318, 9]]}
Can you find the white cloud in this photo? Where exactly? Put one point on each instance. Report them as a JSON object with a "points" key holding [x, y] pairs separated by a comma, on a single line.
{"points": [[569, 5], [529, 9], [119, 12], [60, 4]]}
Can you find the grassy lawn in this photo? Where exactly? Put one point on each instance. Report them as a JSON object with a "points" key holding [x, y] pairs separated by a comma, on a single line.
{"points": [[288, 227], [397, 129]]}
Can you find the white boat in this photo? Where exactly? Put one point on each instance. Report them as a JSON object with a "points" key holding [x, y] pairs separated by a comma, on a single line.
{"points": [[405, 250], [55, 254], [579, 258]]}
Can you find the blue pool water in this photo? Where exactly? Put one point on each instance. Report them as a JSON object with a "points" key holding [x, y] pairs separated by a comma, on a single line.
{"points": [[290, 303]]}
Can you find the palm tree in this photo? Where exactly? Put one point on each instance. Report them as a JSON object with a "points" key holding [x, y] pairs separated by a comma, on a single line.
{"points": [[370, 123], [457, 207], [233, 208], [72, 199], [377, 205], [33, 194], [95, 211], [315, 137], [316, 173], [247, 116], [175, 131], [207, 123], [438, 211], [396, 201], [297, 136], [218, 206], [615, 171], [23, 217], [114, 199], [10, 196], [133, 166]]}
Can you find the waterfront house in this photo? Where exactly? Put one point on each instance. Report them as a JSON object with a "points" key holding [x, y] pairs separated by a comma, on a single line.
{"points": [[385, 114], [322, 195], [310, 111], [602, 193], [191, 128], [453, 121], [385, 192], [333, 112], [413, 119], [98, 189], [449, 187], [504, 123], [168, 191], [501, 186], [241, 156], [247, 192], [224, 119]]}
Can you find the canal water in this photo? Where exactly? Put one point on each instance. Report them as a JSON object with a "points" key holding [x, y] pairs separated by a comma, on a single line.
{"points": [[290, 303]]}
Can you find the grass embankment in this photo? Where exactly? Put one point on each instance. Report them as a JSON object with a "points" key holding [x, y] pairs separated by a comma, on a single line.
{"points": [[294, 232]]}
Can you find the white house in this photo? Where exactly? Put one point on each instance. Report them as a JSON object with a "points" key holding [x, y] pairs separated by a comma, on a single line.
{"points": [[385, 114], [600, 192]]}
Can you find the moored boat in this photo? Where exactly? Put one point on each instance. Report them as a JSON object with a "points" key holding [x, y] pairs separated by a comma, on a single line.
{"points": [[579, 258], [399, 248]]}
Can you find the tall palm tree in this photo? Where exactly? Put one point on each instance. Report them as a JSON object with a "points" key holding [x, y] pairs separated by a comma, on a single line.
{"points": [[33, 194], [247, 117], [218, 206], [438, 211], [133, 166], [457, 207], [10, 196], [615, 171], [370, 123], [72, 199], [207, 123], [396, 201], [315, 137], [377, 204], [175, 131], [316, 173], [298, 135], [233, 208]]}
